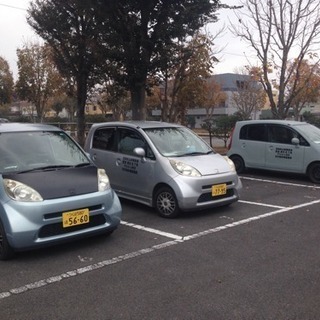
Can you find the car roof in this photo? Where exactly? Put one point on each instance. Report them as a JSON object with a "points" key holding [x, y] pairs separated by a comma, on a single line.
{"points": [[22, 127], [270, 121], [138, 124]]}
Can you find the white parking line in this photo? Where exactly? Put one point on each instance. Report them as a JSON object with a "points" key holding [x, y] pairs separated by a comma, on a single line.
{"points": [[261, 204], [280, 182], [154, 231], [132, 255]]}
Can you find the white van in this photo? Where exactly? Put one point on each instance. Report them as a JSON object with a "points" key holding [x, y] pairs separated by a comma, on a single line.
{"points": [[280, 145]]}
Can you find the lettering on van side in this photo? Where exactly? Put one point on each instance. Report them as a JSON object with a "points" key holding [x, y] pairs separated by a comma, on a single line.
{"points": [[130, 165], [283, 153]]}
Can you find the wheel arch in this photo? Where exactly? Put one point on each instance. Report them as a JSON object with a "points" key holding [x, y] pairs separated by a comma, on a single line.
{"points": [[309, 167], [236, 155], [156, 188]]}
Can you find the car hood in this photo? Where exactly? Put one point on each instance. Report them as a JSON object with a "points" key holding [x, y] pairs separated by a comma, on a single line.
{"points": [[206, 164], [59, 183]]}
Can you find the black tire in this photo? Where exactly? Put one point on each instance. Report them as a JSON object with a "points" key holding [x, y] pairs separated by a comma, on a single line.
{"points": [[314, 172], [239, 163], [166, 203], [6, 252]]}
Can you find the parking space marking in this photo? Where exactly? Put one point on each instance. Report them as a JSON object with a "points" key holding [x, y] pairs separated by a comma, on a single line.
{"points": [[151, 230], [245, 221], [281, 183], [261, 204], [131, 255]]}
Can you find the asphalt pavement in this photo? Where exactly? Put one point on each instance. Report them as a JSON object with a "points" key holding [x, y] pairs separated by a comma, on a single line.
{"points": [[255, 259]]}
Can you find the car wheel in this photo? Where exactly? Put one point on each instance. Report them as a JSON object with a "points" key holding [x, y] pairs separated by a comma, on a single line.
{"points": [[314, 172], [166, 203], [6, 252], [238, 163]]}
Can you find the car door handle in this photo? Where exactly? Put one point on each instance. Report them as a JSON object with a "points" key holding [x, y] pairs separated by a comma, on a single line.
{"points": [[118, 162]]}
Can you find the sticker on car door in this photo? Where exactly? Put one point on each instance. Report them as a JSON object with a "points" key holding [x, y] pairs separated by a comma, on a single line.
{"points": [[130, 165]]}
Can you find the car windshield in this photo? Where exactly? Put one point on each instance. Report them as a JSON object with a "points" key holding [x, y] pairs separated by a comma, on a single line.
{"points": [[177, 142], [310, 132], [25, 151]]}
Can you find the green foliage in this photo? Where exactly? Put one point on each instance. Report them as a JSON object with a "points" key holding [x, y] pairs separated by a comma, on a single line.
{"points": [[220, 127], [126, 40], [6, 82], [311, 118], [96, 118]]}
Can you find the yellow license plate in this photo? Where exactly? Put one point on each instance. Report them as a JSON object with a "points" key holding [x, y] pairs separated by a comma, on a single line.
{"points": [[219, 189], [74, 218]]}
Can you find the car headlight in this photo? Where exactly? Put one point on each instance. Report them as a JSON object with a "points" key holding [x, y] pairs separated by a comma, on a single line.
{"points": [[20, 192], [230, 162], [103, 180], [184, 169]]}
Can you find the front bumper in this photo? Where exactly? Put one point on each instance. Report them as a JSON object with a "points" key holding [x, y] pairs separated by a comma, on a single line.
{"points": [[38, 224], [196, 193]]}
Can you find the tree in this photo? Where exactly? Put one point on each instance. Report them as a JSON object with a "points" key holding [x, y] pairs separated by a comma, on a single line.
{"points": [[220, 127], [143, 36], [69, 27], [128, 40], [114, 98], [280, 30], [311, 118], [214, 96], [306, 80], [250, 96], [38, 79], [186, 82], [6, 82]]}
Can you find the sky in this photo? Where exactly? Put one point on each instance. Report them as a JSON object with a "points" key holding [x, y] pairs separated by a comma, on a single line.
{"points": [[15, 32]]}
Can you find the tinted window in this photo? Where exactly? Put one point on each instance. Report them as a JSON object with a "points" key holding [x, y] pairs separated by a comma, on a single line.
{"points": [[104, 139], [129, 140], [255, 132], [281, 134]]}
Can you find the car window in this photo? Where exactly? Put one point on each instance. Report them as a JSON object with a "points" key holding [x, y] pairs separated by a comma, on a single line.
{"points": [[31, 150], [311, 132], [129, 139], [281, 134], [254, 132], [104, 139], [177, 141]]}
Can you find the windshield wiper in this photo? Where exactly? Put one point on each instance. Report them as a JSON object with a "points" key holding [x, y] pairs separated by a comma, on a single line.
{"points": [[194, 154], [46, 168], [85, 164]]}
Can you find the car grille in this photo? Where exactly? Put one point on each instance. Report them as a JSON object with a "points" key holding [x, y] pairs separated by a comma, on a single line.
{"points": [[205, 197], [59, 214], [229, 183], [55, 229]]}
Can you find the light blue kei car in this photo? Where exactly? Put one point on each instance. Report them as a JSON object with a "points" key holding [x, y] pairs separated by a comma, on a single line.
{"points": [[50, 191]]}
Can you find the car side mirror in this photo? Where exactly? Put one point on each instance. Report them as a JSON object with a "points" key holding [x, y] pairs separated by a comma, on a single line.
{"points": [[140, 153], [295, 141]]}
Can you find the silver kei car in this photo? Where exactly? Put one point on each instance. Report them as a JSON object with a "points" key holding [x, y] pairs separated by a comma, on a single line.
{"points": [[50, 191], [163, 165]]}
